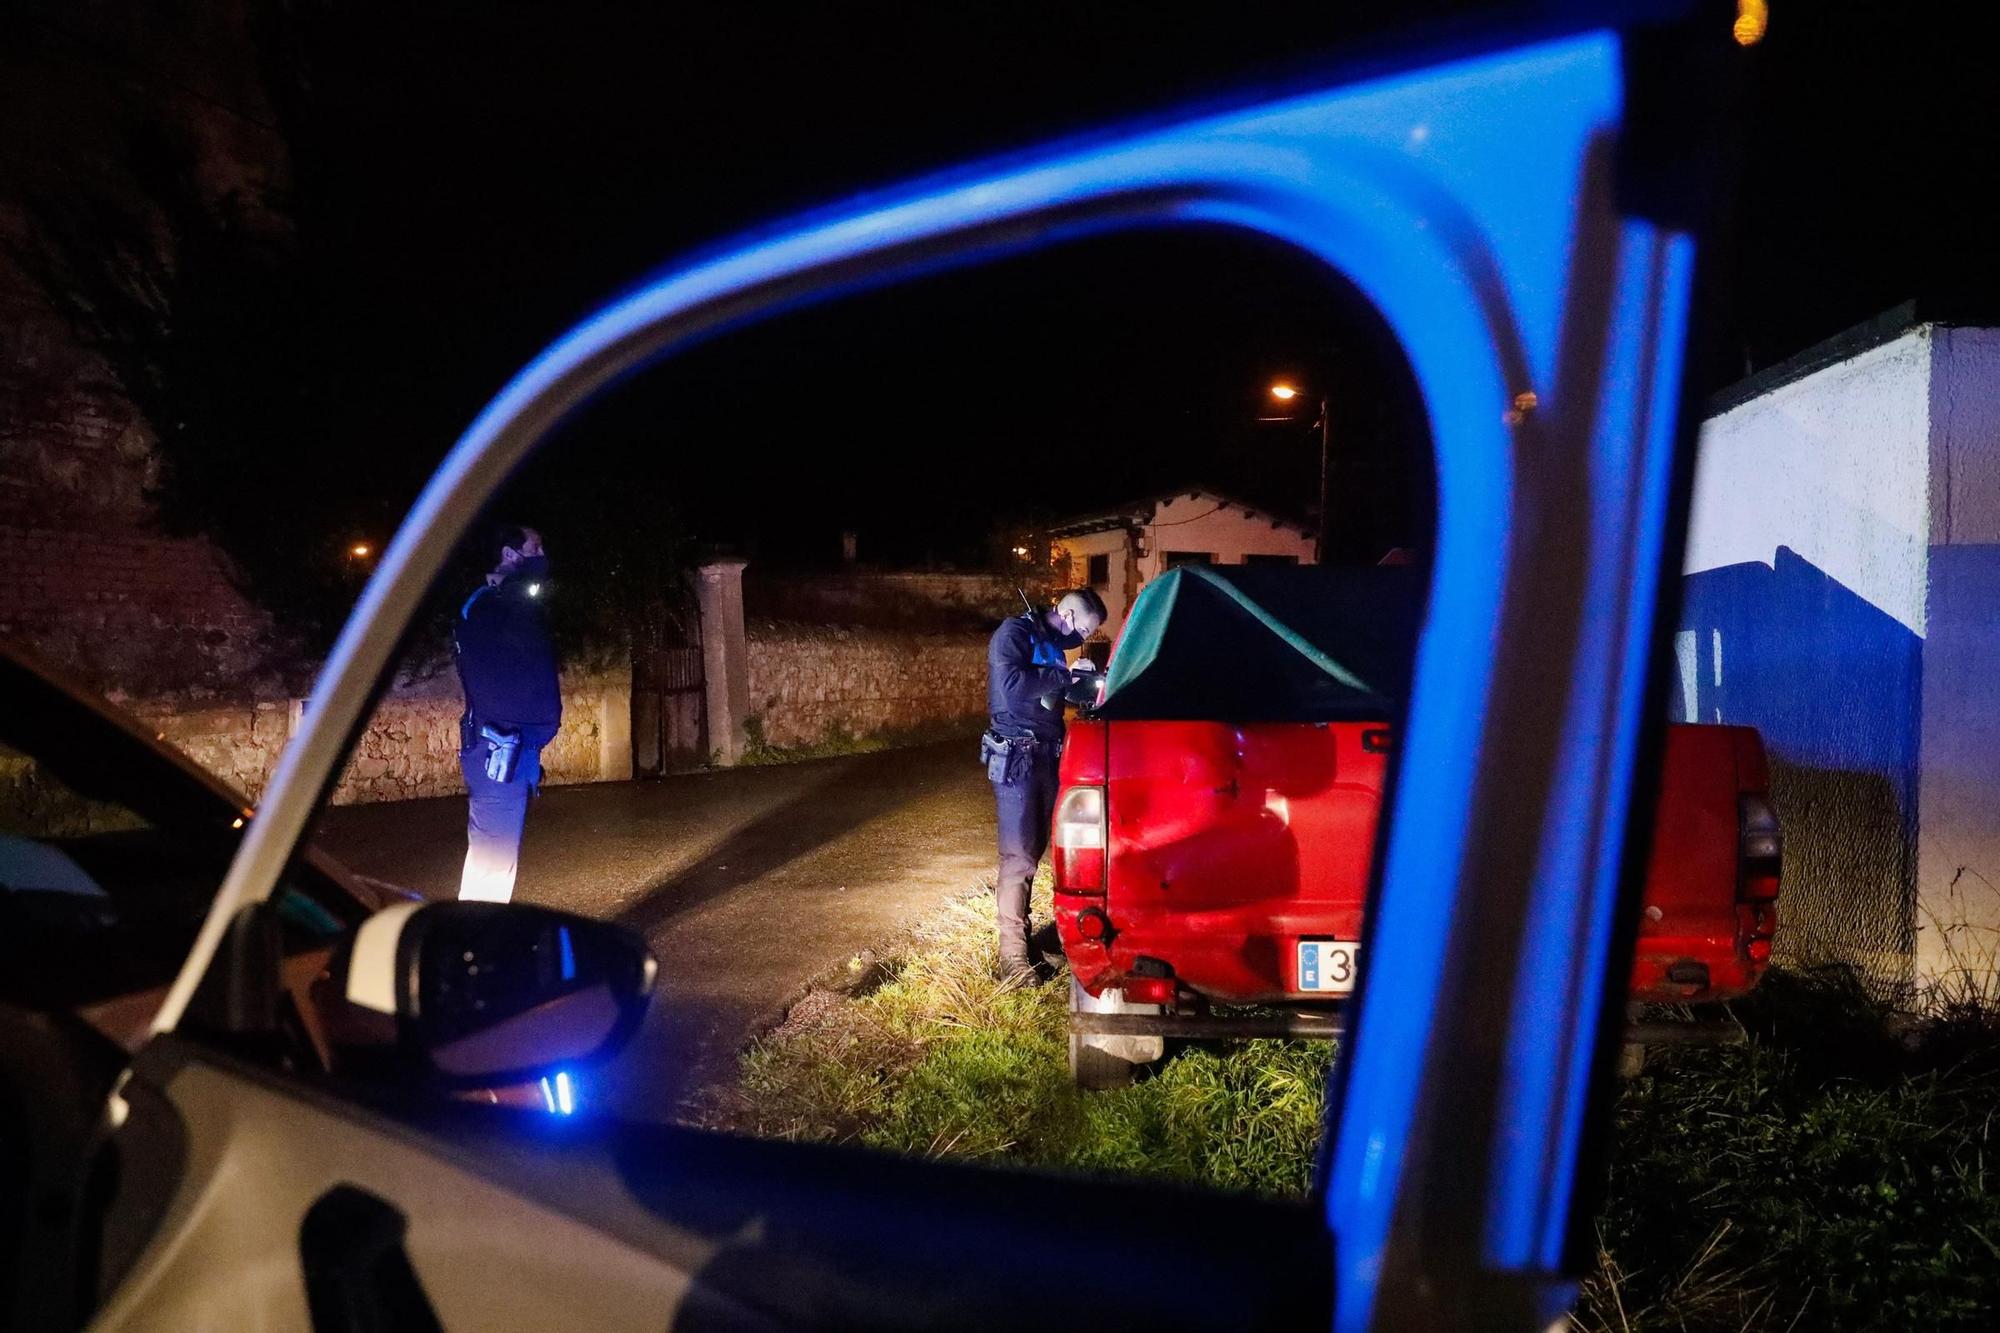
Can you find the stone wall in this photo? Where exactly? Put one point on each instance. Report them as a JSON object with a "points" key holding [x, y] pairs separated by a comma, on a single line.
{"points": [[237, 741], [816, 685], [938, 601], [73, 450], [410, 748]]}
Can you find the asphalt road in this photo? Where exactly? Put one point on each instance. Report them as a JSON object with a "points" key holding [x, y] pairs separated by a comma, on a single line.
{"points": [[747, 883]]}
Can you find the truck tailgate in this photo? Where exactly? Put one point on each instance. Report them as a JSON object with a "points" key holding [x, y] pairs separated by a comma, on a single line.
{"points": [[1228, 846]]}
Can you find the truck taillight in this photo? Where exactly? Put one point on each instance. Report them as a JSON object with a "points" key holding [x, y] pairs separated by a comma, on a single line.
{"points": [[1079, 840], [1148, 990], [1761, 847]]}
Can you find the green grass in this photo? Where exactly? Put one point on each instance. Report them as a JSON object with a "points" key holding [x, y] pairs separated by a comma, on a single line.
{"points": [[926, 1053], [1829, 1173]]}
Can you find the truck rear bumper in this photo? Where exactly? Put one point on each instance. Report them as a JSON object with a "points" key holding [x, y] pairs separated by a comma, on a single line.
{"points": [[1332, 1023], [1246, 956]]}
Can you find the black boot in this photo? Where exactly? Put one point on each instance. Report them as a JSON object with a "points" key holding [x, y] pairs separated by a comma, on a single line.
{"points": [[1015, 965]]}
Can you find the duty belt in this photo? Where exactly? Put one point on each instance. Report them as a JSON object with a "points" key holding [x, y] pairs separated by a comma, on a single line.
{"points": [[1026, 740]]}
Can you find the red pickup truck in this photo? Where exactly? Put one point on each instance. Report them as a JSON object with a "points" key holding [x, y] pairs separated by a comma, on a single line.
{"points": [[1217, 818]]}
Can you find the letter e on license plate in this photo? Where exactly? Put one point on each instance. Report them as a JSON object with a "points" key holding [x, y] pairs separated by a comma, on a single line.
{"points": [[1328, 967]]}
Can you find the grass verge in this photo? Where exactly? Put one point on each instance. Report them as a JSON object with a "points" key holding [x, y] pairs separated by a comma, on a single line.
{"points": [[924, 1052], [1832, 1172], [1839, 1170]]}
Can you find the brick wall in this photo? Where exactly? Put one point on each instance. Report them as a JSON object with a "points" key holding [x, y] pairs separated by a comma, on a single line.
{"points": [[86, 577], [129, 611], [813, 685]]}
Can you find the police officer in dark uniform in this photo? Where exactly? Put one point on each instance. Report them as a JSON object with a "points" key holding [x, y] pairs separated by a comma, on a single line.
{"points": [[513, 705], [1026, 678]]}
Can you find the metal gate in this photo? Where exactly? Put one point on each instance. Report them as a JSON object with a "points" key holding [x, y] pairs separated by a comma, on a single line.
{"points": [[669, 699]]}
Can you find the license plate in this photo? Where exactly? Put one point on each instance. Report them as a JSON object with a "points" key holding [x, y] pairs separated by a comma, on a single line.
{"points": [[1328, 967]]}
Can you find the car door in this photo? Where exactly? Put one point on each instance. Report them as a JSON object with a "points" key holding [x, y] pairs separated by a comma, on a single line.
{"points": [[1525, 209]]}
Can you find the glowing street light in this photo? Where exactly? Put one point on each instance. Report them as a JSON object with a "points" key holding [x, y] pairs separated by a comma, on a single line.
{"points": [[1753, 20], [361, 550], [1285, 391]]}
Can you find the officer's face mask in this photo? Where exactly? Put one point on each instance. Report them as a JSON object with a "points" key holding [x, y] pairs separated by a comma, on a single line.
{"points": [[534, 568]]}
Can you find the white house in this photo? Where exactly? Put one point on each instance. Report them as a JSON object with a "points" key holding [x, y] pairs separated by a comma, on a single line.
{"points": [[1116, 550]]}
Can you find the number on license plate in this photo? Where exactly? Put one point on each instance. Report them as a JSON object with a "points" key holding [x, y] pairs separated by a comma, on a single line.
{"points": [[1328, 966]]}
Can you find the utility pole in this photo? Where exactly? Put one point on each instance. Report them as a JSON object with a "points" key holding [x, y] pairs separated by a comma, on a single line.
{"points": [[1287, 392], [1325, 453]]}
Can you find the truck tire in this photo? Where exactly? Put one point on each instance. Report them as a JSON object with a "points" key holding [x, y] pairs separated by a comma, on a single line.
{"points": [[1098, 1064], [1095, 1071]]}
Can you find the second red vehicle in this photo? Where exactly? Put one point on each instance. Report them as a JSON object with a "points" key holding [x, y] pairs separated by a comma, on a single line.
{"points": [[1217, 820]]}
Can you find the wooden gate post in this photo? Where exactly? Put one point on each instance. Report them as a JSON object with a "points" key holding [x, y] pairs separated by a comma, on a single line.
{"points": [[725, 656]]}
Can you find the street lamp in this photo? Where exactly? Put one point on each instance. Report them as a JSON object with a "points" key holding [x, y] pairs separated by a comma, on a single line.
{"points": [[1286, 392], [1753, 20]]}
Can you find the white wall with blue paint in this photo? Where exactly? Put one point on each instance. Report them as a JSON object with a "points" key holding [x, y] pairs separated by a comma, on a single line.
{"points": [[1842, 594], [1958, 836]]}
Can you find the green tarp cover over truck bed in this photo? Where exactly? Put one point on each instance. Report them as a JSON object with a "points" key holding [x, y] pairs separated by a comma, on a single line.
{"points": [[1256, 643]]}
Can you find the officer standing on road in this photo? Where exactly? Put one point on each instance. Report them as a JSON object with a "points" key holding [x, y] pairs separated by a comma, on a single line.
{"points": [[1026, 676], [513, 705]]}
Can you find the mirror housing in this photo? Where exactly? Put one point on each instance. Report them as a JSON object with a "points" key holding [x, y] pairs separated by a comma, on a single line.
{"points": [[481, 995]]}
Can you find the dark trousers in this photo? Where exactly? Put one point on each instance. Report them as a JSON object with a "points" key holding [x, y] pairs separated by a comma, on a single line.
{"points": [[496, 814], [1027, 810]]}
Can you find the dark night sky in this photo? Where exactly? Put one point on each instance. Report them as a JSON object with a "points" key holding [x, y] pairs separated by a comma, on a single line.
{"points": [[1051, 384], [476, 174], [500, 184]]}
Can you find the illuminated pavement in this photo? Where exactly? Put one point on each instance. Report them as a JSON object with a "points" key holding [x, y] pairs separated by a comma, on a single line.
{"points": [[747, 882]]}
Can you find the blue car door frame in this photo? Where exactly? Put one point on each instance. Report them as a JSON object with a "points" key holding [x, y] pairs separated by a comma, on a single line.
{"points": [[1499, 207]]}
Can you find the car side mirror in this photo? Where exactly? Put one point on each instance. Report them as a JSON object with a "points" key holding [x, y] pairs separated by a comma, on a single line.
{"points": [[469, 994]]}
